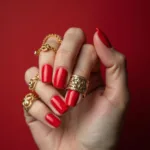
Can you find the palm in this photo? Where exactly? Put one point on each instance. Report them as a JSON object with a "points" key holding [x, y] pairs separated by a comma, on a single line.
{"points": [[82, 127]]}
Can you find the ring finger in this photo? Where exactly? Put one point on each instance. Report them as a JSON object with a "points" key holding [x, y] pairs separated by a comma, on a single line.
{"points": [[47, 93]]}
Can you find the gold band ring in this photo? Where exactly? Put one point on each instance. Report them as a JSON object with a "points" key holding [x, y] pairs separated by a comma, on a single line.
{"points": [[78, 83], [28, 101], [33, 82], [46, 47]]}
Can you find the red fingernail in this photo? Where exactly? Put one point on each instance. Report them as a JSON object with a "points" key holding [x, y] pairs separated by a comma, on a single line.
{"points": [[103, 38], [47, 73], [52, 120], [60, 78], [72, 98], [59, 104]]}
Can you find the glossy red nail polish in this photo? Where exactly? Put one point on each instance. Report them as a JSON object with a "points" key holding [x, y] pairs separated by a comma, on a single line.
{"points": [[59, 104], [103, 38], [47, 73], [60, 78], [72, 98], [52, 120]]}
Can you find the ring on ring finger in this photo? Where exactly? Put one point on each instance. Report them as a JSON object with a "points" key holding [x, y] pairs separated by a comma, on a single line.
{"points": [[28, 101], [33, 81]]}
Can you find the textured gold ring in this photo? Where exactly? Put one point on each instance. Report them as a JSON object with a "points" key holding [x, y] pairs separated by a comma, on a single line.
{"points": [[33, 82], [46, 47], [28, 101], [78, 83]]}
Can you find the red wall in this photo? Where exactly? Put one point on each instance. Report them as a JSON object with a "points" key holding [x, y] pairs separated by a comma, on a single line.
{"points": [[24, 24]]}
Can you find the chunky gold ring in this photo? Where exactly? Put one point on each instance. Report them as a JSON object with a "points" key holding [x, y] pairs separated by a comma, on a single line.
{"points": [[33, 82], [78, 83], [28, 101], [46, 47]]}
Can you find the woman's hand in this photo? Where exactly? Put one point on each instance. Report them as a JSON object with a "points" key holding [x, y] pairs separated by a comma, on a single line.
{"points": [[94, 123]]}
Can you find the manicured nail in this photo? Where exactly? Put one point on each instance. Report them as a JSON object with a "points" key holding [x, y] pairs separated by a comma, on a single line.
{"points": [[52, 120], [72, 98], [47, 73], [59, 104], [103, 38], [60, 78]]}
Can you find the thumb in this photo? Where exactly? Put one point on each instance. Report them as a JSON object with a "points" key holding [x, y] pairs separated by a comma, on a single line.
{"points": [[113, 61]]}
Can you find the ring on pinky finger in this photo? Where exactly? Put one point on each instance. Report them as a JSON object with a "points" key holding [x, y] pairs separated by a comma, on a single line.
{"points": [[40, 111]]}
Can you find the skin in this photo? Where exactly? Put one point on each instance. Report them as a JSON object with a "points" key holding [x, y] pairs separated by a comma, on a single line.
{"points": [[95, 123]]}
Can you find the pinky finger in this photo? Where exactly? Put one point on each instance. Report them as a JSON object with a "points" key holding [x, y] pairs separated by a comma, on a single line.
{"points": [[40, 112]]}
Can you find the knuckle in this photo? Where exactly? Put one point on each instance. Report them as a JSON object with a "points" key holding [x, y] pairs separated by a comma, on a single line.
{"points": [[90, 50], [82, 70], [64, 53], [75, 32], [36, 106], [121, 59], [29, 72]]}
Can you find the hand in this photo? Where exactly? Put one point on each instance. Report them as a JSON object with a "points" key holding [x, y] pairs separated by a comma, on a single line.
{"points": [[94, 124]]}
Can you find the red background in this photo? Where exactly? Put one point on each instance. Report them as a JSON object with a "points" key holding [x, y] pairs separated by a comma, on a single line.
{"points": [[23, 25]]}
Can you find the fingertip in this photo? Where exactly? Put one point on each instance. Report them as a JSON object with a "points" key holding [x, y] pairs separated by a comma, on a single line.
{"points": [[30, 73]]}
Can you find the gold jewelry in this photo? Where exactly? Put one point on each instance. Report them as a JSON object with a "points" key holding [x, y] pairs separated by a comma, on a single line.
{"points": [[33, 82], [78, 83], [46, 47], [28, 101], [56, 36]]}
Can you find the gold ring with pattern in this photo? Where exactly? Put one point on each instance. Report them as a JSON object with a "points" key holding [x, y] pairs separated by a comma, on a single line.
{"points": [[33, 82], [78, 83], [46, 47], [28, 101], [56, 36]]}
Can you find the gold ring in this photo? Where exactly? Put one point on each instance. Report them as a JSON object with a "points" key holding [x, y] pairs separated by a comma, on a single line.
{"points": [[78, 83], [56, 36], [46, 47], [28, 101], [33, 82]]}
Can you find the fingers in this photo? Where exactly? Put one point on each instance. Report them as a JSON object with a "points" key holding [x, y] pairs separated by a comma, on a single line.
{"points": [[40, 112], [46, 61], [114, 63], [66, 56], [85, 62], [48, 94]]}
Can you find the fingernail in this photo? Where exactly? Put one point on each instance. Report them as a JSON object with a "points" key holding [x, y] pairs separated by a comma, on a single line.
{"points": [[47, 73], [52, 120], [72, 98], [59, 104], [60, 78], [103, 38]]}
